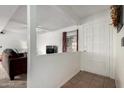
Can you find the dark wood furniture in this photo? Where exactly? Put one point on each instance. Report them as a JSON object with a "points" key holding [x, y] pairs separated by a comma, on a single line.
{"points": [[14, 64], [17, 66]]}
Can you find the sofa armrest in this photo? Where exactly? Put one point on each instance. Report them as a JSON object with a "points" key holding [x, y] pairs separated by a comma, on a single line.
{"points": [[20, 54], [18, 59], [17, 66]]}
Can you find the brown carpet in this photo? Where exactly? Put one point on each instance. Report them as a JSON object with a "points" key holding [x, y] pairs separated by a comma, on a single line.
{"points": [[89, 80], [19, 82]]}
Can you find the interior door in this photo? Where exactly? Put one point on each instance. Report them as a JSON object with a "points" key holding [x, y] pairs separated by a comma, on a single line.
{"points": [[96, 43]]}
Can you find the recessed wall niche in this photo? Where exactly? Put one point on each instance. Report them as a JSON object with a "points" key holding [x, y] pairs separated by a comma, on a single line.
{"points": [[122, 42]]}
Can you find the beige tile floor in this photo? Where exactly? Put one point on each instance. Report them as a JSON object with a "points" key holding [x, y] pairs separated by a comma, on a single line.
{"points": [[89, 80], [19, 82]]}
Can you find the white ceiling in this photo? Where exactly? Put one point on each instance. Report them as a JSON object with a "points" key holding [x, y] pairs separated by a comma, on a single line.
{"points": [[52, 17], [6, 13], [13, 18], [20, 15], [49, 17]]}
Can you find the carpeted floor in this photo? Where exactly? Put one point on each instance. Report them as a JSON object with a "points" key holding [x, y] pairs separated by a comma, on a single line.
{"points": [[19, 82]]}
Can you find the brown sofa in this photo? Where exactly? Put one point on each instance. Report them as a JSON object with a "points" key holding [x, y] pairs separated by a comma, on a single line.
{"points": [[14, 63]]}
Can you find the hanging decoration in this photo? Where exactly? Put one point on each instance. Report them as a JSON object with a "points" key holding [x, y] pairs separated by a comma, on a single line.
{"points": [[115, 14]]}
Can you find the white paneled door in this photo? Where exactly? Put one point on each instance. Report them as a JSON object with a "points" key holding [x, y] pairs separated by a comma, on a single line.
{"points": [[97, 42]]}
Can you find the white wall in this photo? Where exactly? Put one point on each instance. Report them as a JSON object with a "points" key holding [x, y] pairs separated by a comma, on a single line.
{"points": [[53, 70], [95, 38], [13, 21], [119, 71], [118, 58], [13, 40], [49, 38]]}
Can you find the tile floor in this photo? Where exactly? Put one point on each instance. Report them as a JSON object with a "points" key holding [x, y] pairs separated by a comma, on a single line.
{"points": [[89, 80], [19, 82]]}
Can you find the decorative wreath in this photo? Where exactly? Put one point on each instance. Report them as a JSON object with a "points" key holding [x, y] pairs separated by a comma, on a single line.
{"points": [[115, 14]]}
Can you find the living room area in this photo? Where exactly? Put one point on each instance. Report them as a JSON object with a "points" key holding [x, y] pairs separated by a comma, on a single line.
{"points": [[13, 46], [54, 46]]}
